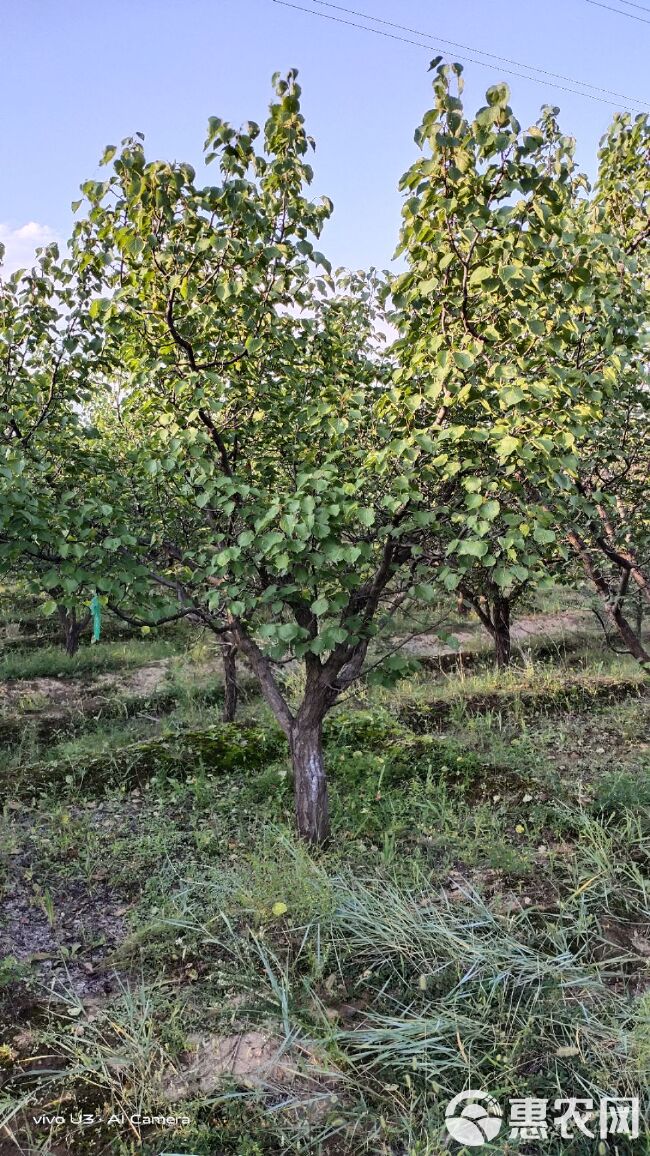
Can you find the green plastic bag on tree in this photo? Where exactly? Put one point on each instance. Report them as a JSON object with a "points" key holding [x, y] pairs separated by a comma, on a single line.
{"points": [[96, 611]]}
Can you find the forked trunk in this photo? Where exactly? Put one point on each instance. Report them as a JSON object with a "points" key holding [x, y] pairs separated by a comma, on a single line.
{"points": [[310, 781], [305, 737], [493, 610], [325, 680], [231, 689], [612, 609]]}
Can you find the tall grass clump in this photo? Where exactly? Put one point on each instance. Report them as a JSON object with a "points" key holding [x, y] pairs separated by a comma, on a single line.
{"points": [[414, 995]]}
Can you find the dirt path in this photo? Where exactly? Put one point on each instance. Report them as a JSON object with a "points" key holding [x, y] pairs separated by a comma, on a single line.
{"points": [[58, 697], [67, 695], [538, 627]]}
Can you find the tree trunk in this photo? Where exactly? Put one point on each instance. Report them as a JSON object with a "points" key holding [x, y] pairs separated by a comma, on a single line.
{"points": [[310, 781], [501, 631], [305, 737], [494, 613], [633, 643], [72, 630], [612, 608], [639, 578], [639, 614], [461, 606], [625, 556], [231, 689]]}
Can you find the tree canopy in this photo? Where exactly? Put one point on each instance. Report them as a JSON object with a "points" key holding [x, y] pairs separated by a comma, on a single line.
{"points": [[200, 418]]}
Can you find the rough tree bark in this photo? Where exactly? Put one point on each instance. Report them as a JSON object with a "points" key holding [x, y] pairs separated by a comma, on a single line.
{"points": [[72, 628], [310, 779], [231, 687]]}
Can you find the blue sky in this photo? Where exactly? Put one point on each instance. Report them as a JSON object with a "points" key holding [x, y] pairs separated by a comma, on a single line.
{"points": [[78, 75]]}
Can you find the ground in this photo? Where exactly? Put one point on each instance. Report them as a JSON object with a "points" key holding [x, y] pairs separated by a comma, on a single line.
{"points": [[176, 967]]}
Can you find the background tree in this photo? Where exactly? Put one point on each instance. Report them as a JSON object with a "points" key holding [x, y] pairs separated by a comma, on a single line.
{"points": [[46, 340], [514, 319], [609, 508]]}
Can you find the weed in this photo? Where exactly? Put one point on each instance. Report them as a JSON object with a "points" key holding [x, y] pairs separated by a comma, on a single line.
{"points": [[621, 791], [53, 662], [481, 914], [44, 900]]}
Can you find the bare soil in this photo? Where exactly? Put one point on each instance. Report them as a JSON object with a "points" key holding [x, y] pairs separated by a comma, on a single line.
{"points": [[59, 697], [67, 954], [526, 630], [64, 937]]}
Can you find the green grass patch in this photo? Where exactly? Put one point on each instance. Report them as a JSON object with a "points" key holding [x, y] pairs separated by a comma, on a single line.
{"points": [[53, 662]]}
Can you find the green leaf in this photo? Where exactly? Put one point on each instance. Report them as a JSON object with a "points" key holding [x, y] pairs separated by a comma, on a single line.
{"points": [[288, 631], [479, 275], [425, 592], [512, 396], [507, 446], [498, 94], [463, 359], [473, 548]]}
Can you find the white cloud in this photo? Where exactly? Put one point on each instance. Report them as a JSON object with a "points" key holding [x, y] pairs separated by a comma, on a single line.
{"points": [[20, 243]]}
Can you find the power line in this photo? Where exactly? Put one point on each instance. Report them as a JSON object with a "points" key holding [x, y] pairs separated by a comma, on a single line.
{"points": [[630, 15], [631, 4], [472, 60], [481, 51]]}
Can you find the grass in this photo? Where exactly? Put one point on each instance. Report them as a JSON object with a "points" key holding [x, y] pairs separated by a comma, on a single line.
{"points": [[398, 989], [558, 681], [481, 918], [53, 662], [121, 721]]}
